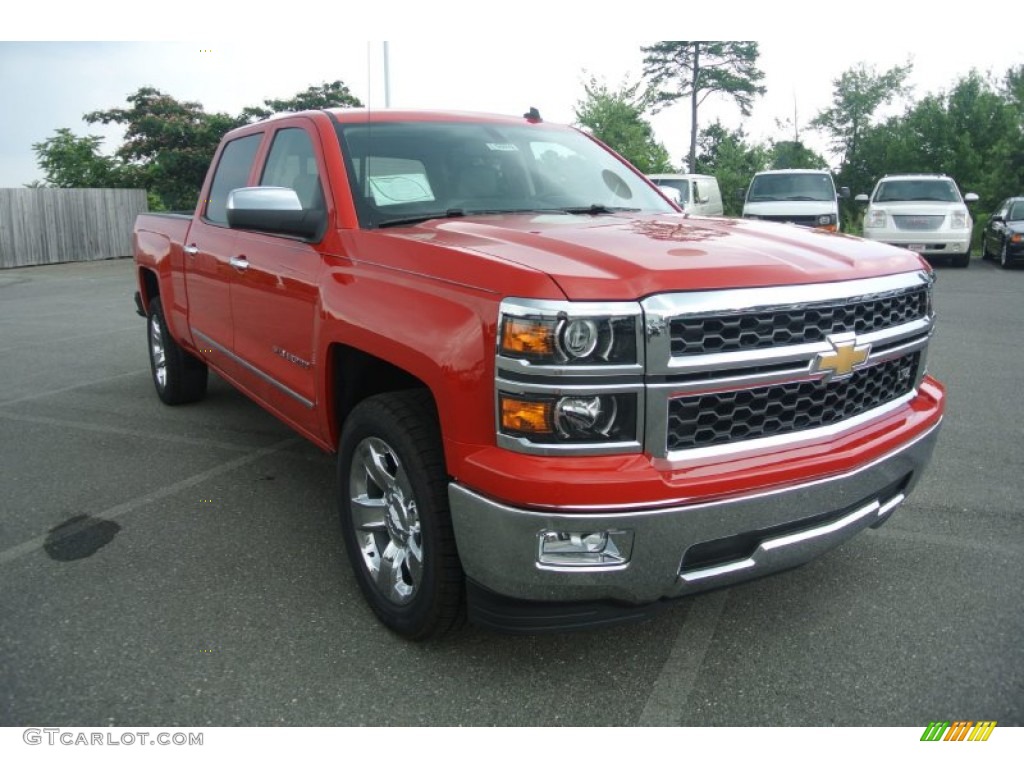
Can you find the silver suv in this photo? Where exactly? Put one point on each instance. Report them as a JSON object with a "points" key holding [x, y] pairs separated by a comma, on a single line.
{"points": [[921, 212]]}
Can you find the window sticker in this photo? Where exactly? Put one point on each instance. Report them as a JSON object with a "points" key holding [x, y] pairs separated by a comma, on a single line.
{"points": [[503, 147], [396, 189]]}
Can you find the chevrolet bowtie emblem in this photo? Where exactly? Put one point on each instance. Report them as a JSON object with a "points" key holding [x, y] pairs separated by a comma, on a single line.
{"points": [[846, 357]]}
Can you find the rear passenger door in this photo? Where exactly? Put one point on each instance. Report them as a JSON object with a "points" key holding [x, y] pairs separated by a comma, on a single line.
{"points": [[275, 296], [209, 252]]}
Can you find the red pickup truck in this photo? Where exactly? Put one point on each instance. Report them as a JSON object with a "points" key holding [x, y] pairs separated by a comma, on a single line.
{"points": [[556, 400]]}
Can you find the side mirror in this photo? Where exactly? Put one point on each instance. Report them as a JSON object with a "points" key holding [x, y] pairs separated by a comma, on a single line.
{"points": [[861, 198], [996, 217], [275, 210], [970, 197], [844, 193]]}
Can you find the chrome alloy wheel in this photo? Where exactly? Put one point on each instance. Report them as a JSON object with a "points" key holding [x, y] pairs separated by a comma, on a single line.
{"points": [[157, 352], [386, 520]]}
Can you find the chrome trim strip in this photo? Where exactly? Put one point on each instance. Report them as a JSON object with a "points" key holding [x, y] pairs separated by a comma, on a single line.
{"points": [[777, 441], [673, 389], [891, 504], [778, 543], [522, 445], [779, 297], [785, 354], [254, 370]]}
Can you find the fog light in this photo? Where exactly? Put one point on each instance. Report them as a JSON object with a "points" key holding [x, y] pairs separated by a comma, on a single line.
{"points": [[603, 549]]}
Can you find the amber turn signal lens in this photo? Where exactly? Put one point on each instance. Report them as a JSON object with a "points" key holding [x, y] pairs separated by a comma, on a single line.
{"points": [[521, 336], [528, 416]]}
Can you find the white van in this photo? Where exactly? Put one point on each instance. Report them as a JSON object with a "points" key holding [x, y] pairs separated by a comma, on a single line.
{"points": [[695, 193], [796, 196]]}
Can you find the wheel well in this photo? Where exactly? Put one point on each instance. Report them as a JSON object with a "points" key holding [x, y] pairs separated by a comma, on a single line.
{"points": [[150, 286], [356, 375]]}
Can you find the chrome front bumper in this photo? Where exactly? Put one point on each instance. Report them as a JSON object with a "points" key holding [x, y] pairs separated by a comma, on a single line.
{"points": [[683, 549]]}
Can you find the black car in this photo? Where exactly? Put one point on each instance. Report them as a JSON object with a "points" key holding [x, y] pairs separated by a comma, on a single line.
{"points": [[1004, 234]]}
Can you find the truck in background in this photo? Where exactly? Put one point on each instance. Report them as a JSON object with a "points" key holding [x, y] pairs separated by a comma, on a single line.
{"points": [[695, 193], [795, 196]]}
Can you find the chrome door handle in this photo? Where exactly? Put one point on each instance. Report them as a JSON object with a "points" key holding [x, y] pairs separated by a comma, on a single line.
{"points": [[191, 250], [239, 263]]}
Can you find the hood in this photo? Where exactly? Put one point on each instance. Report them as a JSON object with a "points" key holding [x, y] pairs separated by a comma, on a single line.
{"points": [[627, 257]]}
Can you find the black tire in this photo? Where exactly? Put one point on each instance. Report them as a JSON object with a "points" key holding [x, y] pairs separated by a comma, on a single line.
{"points": [[393, 508], [962, 260], [984, 246], [1004, 255], [178, 376]]}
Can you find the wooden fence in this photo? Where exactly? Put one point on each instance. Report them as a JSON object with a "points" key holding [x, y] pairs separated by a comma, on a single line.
{"points": [[49, 226]]}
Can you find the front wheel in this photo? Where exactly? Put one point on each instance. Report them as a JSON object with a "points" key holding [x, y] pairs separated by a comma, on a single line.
{"points": [[1004, 255], [962, 260], [178, 377], [393, 506]]}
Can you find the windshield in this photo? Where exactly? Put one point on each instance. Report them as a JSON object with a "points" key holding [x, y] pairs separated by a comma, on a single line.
{"points": [[406, 171], [908, 190], [791, 186], [1016, 212], [680, 185]]}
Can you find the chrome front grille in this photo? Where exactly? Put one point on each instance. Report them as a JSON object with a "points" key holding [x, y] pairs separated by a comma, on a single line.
{"points": [[795, 325], [922, 223], [723, 417], [728, 368]]}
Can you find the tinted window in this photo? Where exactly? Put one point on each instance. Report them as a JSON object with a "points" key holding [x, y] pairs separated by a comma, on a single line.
{"points": [[1016, 211], [931, 190], [232, 173], [791, 186], [292, 164]]}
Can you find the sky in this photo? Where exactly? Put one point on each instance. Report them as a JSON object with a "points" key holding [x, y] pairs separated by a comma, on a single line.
{"points": [[488, 57]]}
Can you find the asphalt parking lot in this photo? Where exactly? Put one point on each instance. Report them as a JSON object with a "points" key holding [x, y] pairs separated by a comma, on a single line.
{"points": [[201, 578]]}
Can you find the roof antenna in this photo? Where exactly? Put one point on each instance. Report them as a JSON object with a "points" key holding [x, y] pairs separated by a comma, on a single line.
{"points": [[533, 115]]}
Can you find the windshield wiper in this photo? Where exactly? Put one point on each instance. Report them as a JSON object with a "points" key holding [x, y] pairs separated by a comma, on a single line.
{"points": [[451, 213], [595, 209]]}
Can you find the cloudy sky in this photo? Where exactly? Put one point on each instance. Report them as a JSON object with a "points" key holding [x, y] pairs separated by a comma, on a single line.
{"points": [[480, 56]]}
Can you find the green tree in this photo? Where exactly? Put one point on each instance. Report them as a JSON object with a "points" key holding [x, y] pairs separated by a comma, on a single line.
{"points": [[68, 160], [323, 96], [728, 156], [695, 69], [793, 154], [616, 118], [856, 96], [168, 144]]}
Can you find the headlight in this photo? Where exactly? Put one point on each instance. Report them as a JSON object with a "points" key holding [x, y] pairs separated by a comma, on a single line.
{"points": [[576, 418], [958, 220], [556, 336], [875, 219]]}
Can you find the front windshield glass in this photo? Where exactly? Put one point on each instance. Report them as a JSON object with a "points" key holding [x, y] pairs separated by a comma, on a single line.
{"points": [[682, 186], [1016, 212], [915, 190], [791, 186], [402, 171]]}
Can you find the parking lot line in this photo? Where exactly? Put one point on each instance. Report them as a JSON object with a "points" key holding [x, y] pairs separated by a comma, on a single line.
{"points": [[138, 502], [37, 395], [671, 690]]}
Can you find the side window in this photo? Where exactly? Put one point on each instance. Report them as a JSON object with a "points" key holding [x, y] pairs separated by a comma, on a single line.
{"points": [[292, 163], [232, 172]]}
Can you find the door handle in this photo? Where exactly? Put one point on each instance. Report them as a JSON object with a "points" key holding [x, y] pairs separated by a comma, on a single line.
{"points": [[191, 250], [239, 263]]}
